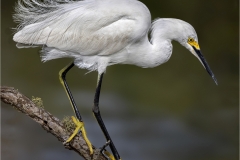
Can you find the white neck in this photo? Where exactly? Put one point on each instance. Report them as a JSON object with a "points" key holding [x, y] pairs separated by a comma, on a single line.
{"points": [[159, 49], [151, 54]]}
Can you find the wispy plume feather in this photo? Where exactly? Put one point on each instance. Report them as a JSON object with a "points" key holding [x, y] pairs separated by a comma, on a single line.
{"points": [[32, 11]]}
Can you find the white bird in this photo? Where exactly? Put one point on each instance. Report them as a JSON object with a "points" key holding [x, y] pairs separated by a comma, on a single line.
{"points": [[100, 33]]}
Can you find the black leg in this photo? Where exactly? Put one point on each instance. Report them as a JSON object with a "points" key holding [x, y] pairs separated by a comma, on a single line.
{"points": [[62, 77], [97, 114], [79, 123]]}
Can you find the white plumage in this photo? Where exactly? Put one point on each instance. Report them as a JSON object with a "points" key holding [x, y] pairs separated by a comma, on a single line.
{"points": [[99, 33]]}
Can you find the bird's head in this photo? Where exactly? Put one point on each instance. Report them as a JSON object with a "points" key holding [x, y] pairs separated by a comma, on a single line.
{"points": [[184, 33], [192, 45], [187, 36]]}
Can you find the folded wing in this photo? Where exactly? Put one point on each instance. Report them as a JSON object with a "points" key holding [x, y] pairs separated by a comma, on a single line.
{"points": [[88, 27]]}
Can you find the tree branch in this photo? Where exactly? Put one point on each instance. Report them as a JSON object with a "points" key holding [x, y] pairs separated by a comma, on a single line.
{"points": [[50, 123]]}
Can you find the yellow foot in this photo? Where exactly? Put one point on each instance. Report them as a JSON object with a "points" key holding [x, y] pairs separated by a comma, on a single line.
{"points": [[108, 155], [80, 126]]}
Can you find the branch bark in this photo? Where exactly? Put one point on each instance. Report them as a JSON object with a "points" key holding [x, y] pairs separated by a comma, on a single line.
{"points": [[50, 123]]}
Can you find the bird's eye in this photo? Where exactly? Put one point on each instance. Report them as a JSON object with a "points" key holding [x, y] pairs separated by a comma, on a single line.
{"points": [[190, 40]]}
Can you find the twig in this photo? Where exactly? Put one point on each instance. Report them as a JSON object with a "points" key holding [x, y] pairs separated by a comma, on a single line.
{"points": [[50, 123]]}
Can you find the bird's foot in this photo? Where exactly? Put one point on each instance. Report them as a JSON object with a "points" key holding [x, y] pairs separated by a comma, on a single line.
{"points": [[105, 153], [80, 127]]}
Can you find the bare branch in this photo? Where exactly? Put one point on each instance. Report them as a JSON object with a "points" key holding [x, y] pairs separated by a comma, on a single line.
{"points": [[50, 123]]}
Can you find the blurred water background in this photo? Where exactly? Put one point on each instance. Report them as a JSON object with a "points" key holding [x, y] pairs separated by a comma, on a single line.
{"points": [[174, 111]]}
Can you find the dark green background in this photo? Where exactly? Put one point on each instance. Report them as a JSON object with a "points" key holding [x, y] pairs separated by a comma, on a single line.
{"points": [[174, 111]]}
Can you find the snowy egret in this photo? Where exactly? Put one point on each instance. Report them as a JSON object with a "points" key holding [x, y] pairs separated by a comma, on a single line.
{"points": [[97, 34]]}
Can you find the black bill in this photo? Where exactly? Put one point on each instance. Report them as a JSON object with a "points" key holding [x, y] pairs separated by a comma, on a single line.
{"points": [[204, 62]]}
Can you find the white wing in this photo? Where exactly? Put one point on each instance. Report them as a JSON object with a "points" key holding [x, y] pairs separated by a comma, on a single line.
{"points": [[91, 27]]}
